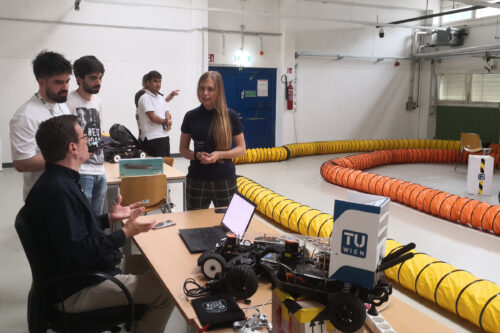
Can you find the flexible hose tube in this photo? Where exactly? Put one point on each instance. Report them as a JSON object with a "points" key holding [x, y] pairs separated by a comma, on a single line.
{"points": [[258, 155], [347, 172], [288, 213], [276, 154], [456, 290], [453, 289]]}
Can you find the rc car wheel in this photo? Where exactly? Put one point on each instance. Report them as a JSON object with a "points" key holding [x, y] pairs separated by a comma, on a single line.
{"points": [[212, 264], [116, 158], [241, 282], [142, 154], [346, 312]]}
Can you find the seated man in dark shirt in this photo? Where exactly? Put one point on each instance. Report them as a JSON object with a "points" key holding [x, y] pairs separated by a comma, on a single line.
{"points": [[71, 237]]}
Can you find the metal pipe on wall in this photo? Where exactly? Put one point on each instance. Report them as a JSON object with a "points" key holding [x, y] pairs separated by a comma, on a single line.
{"points": [[348, 56], [458, 52]]}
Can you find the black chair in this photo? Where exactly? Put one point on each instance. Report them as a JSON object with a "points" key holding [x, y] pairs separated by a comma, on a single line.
{"points": [[42, 315]]}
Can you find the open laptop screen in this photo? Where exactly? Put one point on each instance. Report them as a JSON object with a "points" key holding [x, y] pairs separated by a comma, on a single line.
{"points": [[238, 214]]}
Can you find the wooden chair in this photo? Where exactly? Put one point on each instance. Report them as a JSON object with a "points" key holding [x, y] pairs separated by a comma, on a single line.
{"points": [[151, 191], [471, 143]]}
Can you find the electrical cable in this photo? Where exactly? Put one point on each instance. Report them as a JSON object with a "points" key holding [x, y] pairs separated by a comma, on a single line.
{"points": [[198, 290], [382, 308], [265, 302]]}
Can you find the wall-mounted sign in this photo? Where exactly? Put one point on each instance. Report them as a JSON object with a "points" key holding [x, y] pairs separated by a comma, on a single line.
{"points": [[289, 70], [262, 88], [250, 93], [211, 57]]}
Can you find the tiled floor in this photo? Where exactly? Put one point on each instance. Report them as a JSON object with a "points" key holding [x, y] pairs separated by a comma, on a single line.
{"points": [[298, 179]]}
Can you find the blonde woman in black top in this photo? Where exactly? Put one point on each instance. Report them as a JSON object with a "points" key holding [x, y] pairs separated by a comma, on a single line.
{"points": [[218, 137]]}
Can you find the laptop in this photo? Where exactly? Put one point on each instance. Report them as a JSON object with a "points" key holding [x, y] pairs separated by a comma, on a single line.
{"points": [[236, 220]]}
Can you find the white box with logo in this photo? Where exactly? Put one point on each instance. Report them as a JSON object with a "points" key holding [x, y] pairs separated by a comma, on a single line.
{"points": [[358, 238]]}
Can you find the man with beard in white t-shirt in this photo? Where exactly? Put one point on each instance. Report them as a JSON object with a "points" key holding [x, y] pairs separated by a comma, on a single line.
{"points": [[52, 72], [86, 105]]}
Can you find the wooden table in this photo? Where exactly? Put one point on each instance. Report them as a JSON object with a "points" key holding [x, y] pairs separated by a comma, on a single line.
{"points": [[173, 176], [173, 264]]}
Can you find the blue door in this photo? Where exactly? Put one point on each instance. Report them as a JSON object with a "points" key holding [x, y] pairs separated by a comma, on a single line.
{"points": [[251, 92]]}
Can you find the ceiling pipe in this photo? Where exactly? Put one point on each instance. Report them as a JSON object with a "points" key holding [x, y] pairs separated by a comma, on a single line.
{"points": [[339, 56], [351, 3], [449, 12], [458, 52], [135, 3]]}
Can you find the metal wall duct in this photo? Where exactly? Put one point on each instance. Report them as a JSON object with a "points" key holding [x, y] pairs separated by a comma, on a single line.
{"points": [[339, 56], [458, 52]]}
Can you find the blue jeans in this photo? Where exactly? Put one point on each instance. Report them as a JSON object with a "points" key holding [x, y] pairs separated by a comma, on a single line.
{"points": [[94, 187]]}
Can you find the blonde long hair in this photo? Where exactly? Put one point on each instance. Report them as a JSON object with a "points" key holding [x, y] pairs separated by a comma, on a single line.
{"points": [[221, 126]]}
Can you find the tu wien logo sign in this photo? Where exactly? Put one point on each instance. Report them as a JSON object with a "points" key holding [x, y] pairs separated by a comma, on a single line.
{"points": [[354, 243]]}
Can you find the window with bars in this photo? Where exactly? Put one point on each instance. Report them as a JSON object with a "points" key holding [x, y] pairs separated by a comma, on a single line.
{"points": [[483, 88], [453, 87], [462, 16], [477, 14], [486, 12]]}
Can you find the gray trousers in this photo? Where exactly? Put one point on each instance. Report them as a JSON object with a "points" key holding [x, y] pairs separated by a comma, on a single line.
{"points": [[145, 289]]}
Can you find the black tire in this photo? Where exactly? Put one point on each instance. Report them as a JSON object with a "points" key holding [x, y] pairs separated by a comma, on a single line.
{"points": [[346, 312], [241, 282], [212, 264]]}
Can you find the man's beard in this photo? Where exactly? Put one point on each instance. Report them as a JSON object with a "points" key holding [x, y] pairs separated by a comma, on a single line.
{"points": [[91, 90], [56, 97]]}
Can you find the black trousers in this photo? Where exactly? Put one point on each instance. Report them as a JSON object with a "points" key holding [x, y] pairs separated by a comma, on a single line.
{"points": [[159, 147], [200, 193]]}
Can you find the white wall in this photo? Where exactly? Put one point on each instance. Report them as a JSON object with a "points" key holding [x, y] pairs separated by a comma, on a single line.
{"points": [[344, 99], [231, 21], [335, 99], [137, 40]]}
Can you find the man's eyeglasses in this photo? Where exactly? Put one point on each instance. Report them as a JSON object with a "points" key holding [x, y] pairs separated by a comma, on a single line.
{"points": [[85, 137]]}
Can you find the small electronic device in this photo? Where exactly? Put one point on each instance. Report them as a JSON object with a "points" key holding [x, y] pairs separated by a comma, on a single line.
{"points": [[164, 224]]}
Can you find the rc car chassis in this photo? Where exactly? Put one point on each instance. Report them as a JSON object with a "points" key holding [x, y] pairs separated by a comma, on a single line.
{"points": [[290, 267], [121, 144]]}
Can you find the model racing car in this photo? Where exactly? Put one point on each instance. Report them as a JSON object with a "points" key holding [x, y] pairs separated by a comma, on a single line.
{"points": [[300, 266], [121, 144]]}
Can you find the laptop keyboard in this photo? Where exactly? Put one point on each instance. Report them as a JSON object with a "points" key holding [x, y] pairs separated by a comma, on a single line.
{"points": [[210, 236]]}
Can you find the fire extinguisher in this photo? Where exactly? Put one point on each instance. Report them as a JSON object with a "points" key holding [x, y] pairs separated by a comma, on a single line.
{"points": [[289, 99], [288, 92]]}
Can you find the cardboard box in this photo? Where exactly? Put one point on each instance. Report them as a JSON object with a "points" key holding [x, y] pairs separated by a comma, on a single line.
{"points": [[297, 316], [141, 166]]}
